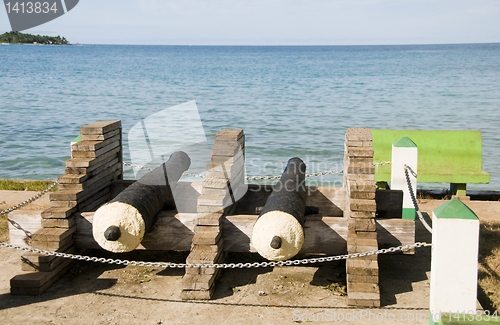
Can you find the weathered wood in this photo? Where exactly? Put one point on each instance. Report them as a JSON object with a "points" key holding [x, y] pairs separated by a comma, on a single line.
{"points": [[323, 235], [28, 264], [52, 245], [100, 127], [58, 213], [95, 201], [100, 137], [97, 181], [94, 153], [86, 145], [233, 134], [52, 234], [363, 205], [58, 223], [356, 287], [36, 283], [87, 165], [359, 134]]}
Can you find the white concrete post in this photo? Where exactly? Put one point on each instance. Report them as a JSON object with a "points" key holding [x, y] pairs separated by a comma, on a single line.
{"points": [[455, 244], [404, 152]]}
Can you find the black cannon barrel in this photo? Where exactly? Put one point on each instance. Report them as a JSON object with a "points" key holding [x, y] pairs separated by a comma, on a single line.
{"points": [[278, 232], [120, 225]]}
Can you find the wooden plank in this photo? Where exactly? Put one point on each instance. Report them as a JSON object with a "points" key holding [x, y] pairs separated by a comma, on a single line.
{"points": [[72, 179], [207, 229], [100, 137], [209, 209], [362, 214], [52, 234], [362, 278], [171, 232], [237, 159], [91, 163], [207, 238], [202, 270], [42, 258], [94, 202], [359, 134], [233, 134], [360, 177], [209, 219], [226, 151], [58, 213], [63, 204], [86, 146], [362, 186], [323, 235], [79, 195], [100, 127], [201, 256], [363, 205], [358, 143], [372, 235], [58, 223], [363, 302], [30, 266], [94, 153], [362, 267], [216, 183], [98, 181], [38, 282], [360, 224], [52, 245], [356, 287], [229, 141]]}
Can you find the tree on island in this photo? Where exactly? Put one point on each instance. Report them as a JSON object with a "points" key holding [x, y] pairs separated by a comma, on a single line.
{"points": [[20, 38]]}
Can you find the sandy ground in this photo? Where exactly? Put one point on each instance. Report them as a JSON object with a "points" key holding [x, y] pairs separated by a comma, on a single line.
{"points": [[105, 294]]}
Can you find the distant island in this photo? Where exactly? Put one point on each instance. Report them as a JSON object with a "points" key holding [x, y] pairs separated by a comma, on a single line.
{"points": [[20, 38]]}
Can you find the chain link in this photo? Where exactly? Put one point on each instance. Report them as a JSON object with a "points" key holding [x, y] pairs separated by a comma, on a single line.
{"points": [[414, 199], [382, 163], [36, 197], [249, 178], [218, 265]]}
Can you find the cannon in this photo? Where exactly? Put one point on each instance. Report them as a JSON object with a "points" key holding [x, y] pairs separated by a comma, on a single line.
{"points": [[120, 225], [278, 233]]}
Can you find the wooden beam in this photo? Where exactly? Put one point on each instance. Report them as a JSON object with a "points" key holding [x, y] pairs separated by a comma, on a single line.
{"points": [[323, 235]]}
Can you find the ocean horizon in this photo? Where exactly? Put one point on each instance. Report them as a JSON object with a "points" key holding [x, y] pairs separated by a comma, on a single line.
{"points": [[290, 100]]}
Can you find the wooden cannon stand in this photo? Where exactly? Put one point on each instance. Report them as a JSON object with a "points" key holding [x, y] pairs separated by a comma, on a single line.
{"points": [[346, 221]]}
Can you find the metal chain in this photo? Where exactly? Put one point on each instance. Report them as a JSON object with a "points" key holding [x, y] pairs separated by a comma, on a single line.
{"points": [[218, 265], [335, 171], [414, 199], [20, 205], [36, 197]]}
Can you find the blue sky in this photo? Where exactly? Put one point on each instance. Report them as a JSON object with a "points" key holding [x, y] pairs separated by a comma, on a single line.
{"points": [[275, 22]]}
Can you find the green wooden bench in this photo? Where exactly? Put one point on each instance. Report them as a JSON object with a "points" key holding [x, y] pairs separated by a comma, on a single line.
{"points": [[453, 157]]}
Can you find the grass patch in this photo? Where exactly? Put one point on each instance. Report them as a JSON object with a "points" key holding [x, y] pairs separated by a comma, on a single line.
{"points": [[338, 289], [21, 185], [489, 265]]}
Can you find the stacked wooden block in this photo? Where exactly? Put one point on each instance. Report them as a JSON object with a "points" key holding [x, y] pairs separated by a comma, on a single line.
{"points": [[362, 273], [95, 161], [222, 186]]}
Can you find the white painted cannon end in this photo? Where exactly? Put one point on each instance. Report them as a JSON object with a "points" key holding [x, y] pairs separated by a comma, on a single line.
{"points": [[284, 225], [127, 219]]}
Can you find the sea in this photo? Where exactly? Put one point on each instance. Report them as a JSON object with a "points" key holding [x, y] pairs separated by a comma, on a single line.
{"points": [[291, 101]]}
